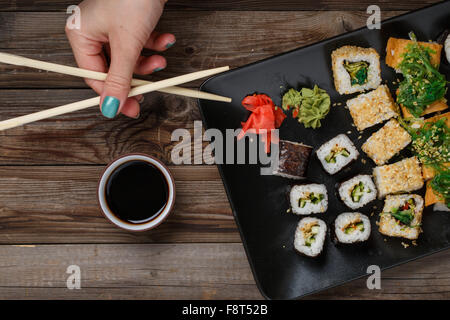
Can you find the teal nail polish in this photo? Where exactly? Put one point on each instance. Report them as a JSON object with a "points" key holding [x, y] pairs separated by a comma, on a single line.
{"points": [[169, 45], [110, 106], [158, 69]]}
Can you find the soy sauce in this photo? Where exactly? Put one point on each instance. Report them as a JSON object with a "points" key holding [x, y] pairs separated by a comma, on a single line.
{"points": [[136, 192]]}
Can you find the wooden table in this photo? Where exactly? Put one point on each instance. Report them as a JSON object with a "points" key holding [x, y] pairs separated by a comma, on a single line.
{"points": [[49, 218]]}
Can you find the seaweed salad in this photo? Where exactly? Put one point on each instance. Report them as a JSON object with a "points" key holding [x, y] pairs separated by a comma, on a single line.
{"points": [[423, 84]]}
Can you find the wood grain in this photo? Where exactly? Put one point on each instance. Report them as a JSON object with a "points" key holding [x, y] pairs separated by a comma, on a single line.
{"points": [[49, 170], [61, 5], [86, 137], [58, 204], [183, 271], [227, 40]]}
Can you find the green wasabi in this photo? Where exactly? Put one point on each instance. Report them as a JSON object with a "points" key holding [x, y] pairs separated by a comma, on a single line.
{"points": [[309, 106]]}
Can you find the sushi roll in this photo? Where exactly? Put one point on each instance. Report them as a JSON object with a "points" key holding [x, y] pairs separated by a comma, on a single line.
{"points": [[386, 142], [308, 198], [358, 191], [310, 236], [401, 176], [337, 153], [352, 227], [355, 69], [401, 216], [371, 108], [293, 160]]}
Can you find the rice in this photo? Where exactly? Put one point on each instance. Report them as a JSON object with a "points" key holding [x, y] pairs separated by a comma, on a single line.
{"points": [[337, 153], [351, 54], [391, 226], [351, 227], [358, 191], [308, 198], [401, 176], [386, 142], [310, 236], [371, 108]]}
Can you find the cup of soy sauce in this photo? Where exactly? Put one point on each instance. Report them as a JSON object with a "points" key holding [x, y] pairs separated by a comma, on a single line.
{"points": [[136, 192]]}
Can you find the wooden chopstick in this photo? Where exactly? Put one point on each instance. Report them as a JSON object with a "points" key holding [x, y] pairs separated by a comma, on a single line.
{"points": [[83, 73], [84, 104]]}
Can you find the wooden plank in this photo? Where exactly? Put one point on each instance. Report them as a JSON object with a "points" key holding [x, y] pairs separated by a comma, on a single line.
{"points": [[183, 271], [86, 137], [61, 5], [58, 204], [204, 40]]}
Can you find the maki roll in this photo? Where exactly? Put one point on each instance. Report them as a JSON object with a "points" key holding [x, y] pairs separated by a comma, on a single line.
{"points": [[401, 216], [386, 142], [351, 227], [308, 198], [369, 109], [401, 176], [293, 160], [310, 236], [355, 69], [337, 153], [358, 191]]}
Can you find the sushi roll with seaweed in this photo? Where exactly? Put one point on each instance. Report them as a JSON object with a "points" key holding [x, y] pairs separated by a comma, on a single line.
{"points": [[293, 160], [352, 227], [310, 236], [358, 191], [337, 153], [308, 198]]}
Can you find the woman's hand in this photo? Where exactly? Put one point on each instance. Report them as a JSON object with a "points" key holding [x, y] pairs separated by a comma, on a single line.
{"points": [[124, 27]]}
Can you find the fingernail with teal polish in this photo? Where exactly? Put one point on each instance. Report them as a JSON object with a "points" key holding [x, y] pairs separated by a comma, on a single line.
{"points": [[110, 106], [158, 69], [169, 45]]}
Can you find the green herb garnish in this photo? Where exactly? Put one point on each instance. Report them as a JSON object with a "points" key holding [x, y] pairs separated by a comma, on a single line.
{"points": [[357, 71], [422, 83]]}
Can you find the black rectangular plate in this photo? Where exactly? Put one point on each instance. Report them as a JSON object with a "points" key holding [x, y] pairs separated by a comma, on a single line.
{"points": [[259, 202]]}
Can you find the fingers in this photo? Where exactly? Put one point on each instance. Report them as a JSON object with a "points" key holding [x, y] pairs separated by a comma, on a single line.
{"points": [[88, 55], [160, 41], [150, 64], [131, 108], [125, 52]]}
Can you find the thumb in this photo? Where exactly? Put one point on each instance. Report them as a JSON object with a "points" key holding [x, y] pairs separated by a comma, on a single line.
{"points": [[124, 57]]}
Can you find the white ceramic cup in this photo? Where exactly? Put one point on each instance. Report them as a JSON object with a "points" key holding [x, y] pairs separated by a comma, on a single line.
{"points": [[124, 224]]}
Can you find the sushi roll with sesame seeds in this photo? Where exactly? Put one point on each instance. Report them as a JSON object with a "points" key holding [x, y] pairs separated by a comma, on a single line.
{"points": [[358, 191], [308, 198], [337, 153], [310, 237], [386, 142], [401, 176], [352, 227], [355, 69], [369, 109]]}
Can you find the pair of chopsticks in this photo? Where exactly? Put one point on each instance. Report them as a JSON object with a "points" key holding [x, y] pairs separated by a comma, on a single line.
{"points": [[139, 87]]}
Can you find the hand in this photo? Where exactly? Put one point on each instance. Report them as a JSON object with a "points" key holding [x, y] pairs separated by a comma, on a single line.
{"points": [[124, 27]]}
